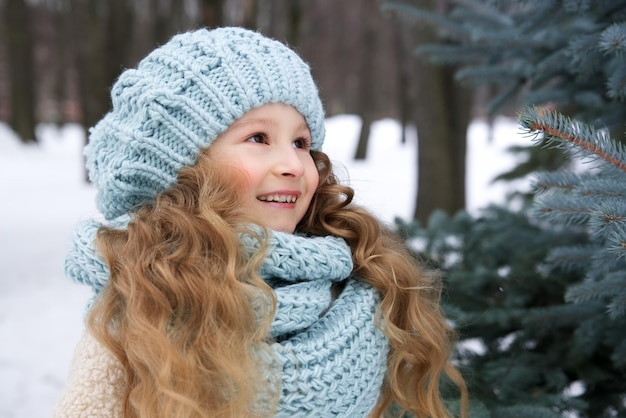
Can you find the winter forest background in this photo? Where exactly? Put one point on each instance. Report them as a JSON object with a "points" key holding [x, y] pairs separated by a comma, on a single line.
{"points": [[536, 285]]}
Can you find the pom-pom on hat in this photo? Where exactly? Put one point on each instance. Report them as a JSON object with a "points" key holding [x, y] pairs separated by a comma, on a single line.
{"points": [[179, 99]]}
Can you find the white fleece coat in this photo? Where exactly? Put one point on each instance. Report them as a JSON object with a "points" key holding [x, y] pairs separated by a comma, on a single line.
{"points": [[94, 385]]}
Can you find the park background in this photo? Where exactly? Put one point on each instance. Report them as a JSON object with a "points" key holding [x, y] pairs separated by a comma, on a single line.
{"points": [[422, 98]]}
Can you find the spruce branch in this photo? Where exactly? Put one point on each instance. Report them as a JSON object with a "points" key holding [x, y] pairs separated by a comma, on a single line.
{"points": [[619, 357], [616, 81], [485, 10], [617, 307], [560, 131], [593, 291], [613, 39], [607, 218], [617, 240], [525, 411], [453, 53], [555, 180], [603, 187], [562, 209], [572, 258], [436, 20]]}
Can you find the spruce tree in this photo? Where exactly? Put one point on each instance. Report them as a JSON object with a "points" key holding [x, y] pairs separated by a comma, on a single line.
{"points": [[539, 296], [569, 55], [540, 300]]}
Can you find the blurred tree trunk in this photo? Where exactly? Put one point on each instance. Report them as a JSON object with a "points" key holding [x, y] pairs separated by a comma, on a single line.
{"points": [[250, 13], [367, 102], [402, 58], [20, 61], [168, 18], [442, 114], [90, 61], [101, 52], [294, 23], [118, 38], [178, 18], [212, 13], [160, 30], [62, 57]]}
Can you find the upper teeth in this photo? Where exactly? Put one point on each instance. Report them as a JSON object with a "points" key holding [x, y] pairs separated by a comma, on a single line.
{"points": [[279, 198]]}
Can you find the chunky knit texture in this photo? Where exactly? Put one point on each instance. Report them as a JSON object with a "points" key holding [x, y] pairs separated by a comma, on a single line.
{"points": [[179, 99], [329, 356]]}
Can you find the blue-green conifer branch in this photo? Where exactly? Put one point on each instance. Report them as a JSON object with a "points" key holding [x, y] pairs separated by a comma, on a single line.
{"points": [[575, 59], [567, 181], [562, 132], [605, 187], [544, 320], [443, 23], [572, 258], [594, 291], [546, 295], [613, 39]]}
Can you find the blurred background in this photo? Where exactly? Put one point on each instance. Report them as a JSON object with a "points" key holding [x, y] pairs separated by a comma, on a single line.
{"points": [[430, 105], [59, 58]]}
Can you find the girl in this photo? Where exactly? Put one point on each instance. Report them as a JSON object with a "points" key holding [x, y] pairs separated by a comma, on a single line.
{"points": [[234, 277]]}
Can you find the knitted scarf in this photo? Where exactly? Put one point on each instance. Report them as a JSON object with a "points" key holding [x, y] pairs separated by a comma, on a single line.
{"points": [[330, 356]]}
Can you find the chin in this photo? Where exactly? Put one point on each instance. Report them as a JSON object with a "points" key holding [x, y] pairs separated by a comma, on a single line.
{"points": [[282, 228]]}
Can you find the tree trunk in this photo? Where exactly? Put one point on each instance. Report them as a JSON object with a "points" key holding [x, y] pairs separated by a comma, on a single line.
{"points": [[250, 13], [295, 22], [212, 13], [100, 52], [160, 31], [367, 101], [442, 114], [402, 78], [90, 65], [118, 39], [19, 46], [61, 61], [442, 117]]}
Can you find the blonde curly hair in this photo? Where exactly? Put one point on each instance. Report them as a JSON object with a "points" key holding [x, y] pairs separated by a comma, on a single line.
{"points": [[181, 309]]}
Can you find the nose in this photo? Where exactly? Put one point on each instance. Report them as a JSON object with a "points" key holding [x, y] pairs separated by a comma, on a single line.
{"points": [[288, 162]]}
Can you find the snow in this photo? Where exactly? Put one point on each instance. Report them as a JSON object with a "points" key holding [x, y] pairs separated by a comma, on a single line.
{"points": [[44, 195]]}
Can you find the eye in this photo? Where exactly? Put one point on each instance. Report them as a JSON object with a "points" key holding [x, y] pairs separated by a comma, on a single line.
{"points": [[257, 138], [302, 143]]}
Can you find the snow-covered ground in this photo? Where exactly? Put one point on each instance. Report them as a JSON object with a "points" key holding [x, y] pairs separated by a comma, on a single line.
{"points": [[43, 195]]}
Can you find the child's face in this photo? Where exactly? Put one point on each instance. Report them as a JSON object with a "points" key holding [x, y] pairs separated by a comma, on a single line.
{"points": [[270, 146]]}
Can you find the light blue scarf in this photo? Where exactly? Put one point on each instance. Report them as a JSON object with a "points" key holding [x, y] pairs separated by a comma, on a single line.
{"points": [[332, 356]]}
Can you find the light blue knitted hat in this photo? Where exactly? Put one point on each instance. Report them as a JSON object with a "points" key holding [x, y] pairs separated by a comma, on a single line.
{"points": [[179, 99]]}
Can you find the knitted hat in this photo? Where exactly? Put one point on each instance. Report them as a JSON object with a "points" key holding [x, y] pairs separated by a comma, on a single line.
{"points": [[179, 99]]}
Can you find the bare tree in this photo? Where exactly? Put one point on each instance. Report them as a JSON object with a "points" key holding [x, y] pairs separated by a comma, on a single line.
{"points": [[212, 13], [101, 52], [368, 97], [294, 22], [250, 13], [442, 113], [62, 57], [19, 46], [403, 59]]}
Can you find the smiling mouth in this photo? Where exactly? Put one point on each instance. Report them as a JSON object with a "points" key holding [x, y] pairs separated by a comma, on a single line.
{"points": [[278, 198]]}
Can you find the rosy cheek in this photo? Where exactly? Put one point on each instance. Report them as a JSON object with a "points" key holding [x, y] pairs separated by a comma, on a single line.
{"points": [[315, 177]]}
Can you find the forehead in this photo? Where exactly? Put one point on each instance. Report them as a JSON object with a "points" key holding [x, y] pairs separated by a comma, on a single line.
{"points": [[270, 114]]}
